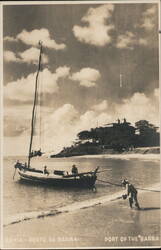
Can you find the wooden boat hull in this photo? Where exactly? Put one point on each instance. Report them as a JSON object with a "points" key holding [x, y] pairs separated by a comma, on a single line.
{"points": [[87, 181]]}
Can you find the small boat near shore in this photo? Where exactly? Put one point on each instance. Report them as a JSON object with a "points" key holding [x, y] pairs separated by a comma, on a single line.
{"points": [[59, 178], [56, 177]]}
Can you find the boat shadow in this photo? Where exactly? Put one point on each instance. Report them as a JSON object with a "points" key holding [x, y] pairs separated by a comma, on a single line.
{"points": [[29, 184]]}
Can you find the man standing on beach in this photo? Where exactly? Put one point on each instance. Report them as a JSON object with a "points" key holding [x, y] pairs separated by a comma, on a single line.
{"points": [[131, 192]]}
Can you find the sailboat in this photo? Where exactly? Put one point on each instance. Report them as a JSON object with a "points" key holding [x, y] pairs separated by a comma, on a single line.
{"points": [[56, 177]]}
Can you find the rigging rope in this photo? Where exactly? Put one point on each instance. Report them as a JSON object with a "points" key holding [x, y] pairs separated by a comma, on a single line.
{"points": [[115, 184]]}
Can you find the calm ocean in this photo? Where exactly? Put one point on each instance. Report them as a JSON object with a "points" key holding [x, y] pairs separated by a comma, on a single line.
{"points": [[22, 198]]}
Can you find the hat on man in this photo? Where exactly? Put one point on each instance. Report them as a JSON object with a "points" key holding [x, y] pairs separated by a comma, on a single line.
{"points": [[124, 182]]}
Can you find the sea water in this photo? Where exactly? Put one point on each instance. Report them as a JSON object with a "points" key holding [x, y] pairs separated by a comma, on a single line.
{"points": [[20, 198]]}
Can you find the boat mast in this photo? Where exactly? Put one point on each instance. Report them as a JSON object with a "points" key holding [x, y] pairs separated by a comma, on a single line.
{"points": [[34, 105]]}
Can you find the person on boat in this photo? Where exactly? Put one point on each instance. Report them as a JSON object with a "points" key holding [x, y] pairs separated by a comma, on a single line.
{"points": [[25, 165], [131, 193], [46, 171], [39, 153], [18, 164], [74, 170], [31, 154]]}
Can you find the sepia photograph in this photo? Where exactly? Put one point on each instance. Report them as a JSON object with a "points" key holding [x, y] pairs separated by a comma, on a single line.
{"points": [[80, 124]]}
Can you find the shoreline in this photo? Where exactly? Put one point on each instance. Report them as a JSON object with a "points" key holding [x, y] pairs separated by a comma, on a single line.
{"points": [[121, 156], [21, 217], [144, 152], [106, 224], [136, 151]]}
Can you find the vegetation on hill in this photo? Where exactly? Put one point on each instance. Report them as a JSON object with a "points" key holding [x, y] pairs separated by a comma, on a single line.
{"points": [[117, 137]]}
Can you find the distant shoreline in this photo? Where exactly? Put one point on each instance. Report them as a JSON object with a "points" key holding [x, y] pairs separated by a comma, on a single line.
{"points": [[144, 152], [111, 153]]}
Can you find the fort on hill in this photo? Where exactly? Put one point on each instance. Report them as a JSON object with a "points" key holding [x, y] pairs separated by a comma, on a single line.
{"points": [[113, 138]]}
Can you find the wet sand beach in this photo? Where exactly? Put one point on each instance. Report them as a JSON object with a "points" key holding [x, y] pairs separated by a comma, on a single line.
{"points": [[106, 224]]}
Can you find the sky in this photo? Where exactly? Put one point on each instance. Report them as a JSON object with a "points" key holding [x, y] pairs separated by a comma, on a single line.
{"points": [[100, 63]]}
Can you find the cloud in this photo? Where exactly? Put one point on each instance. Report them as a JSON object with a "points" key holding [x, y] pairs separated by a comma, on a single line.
{"points": [[22, 89], [86, 77], [100, 106], [31, 55], [62, 72], [61, 126], [17, 119], [140, 107], [143, 41], [149, 18], [96, 31], [33, 37], [10, 56], [129, 40], [65, 123], [72, 124], [144, 33], [126, 40], [61, 120], [10, 39], [91, 119]]}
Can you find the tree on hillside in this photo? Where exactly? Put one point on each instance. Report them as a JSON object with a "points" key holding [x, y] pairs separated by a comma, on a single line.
{"points": [[145, 127], [148, 135], [84, 135]]}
